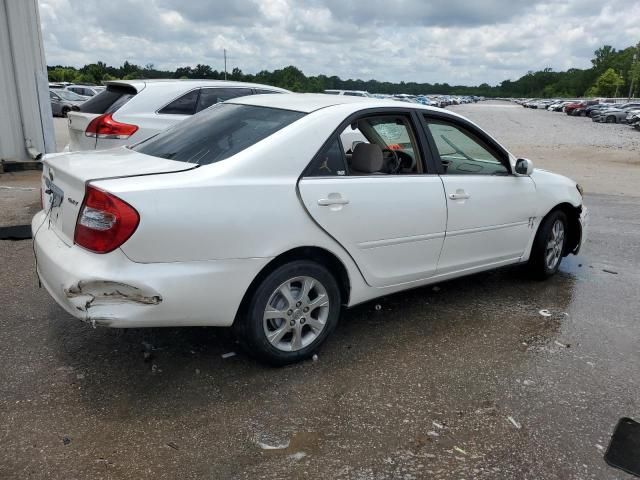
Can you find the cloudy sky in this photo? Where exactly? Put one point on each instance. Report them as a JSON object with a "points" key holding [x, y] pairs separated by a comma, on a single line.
{"points": [[454, 41]]}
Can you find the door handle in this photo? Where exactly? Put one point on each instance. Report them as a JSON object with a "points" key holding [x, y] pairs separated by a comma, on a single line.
{"points": [[325, 202], [459, 195]]}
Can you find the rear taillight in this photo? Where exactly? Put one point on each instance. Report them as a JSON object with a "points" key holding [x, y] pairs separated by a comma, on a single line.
{"points": [[105, 222], [105, 126]]}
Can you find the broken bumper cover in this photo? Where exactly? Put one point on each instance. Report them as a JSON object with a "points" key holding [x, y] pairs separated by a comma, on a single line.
{"points": [[111, 290], [584, 228]]}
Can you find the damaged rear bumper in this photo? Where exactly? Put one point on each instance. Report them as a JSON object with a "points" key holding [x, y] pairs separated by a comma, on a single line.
{"points": [[111, 290]]}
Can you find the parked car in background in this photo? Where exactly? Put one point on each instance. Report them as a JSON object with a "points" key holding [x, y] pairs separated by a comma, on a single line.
{"points": [[581, 109], [349, 93], [128, 111], [63, 102], [592, 109], [633, 116], [251, 214], [614, 114], [85, 90], [568, 109]]}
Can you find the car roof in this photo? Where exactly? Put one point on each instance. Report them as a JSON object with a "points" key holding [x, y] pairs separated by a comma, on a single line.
{"points": [[142, 83], [310, 102]]}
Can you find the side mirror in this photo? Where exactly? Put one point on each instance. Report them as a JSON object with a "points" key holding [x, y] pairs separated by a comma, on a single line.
{"points": [[524, 166]]}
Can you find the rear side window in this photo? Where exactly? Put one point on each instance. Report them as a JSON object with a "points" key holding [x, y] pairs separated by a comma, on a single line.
{"points": [[109, 100], [262, 90], [184, 105], [329, 162], [217, 133], [211, 96]]}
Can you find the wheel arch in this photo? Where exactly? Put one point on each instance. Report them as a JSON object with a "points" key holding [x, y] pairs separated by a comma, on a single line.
{"points": [[575, 227], [318, 254]]}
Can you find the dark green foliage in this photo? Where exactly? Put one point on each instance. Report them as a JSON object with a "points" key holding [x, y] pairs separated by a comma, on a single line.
{"points": [[546, 83]]}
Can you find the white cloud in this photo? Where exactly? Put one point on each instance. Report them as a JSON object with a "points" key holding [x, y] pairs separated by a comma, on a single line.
{"points": [[452, 41]]}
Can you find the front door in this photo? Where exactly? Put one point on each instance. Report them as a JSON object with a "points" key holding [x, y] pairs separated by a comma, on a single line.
{"points": [[379, 202], [490, 210]]}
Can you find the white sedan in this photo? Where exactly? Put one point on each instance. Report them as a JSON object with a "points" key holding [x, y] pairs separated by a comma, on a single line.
{"points": [[252, 214]]}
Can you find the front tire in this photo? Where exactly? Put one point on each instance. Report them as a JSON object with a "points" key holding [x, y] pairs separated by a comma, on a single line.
{"points": [[290, 314], [549, 246]]}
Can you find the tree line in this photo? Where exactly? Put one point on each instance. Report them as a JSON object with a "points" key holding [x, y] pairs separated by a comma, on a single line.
{"points": [[613, 73]]}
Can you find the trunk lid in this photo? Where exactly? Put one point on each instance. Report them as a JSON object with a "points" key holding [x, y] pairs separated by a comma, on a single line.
{"points": [[64, 177]]}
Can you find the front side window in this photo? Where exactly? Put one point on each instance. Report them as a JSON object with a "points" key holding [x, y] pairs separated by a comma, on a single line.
{"points": [[217, 133], [462, 152], [184, 105], [211, 96]]}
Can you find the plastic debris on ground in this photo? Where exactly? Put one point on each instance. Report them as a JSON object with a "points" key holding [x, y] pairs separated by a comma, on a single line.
{"points": [[297, 456], [266, 446], [514, 423], [545, 313], [228, 354]]}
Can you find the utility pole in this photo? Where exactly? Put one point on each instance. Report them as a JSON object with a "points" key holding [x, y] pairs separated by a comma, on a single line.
{"points": [[633, 70], [225, 63], [633, 64]]}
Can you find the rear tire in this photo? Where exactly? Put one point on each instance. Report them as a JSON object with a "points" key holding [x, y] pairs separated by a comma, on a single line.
{"points": [[290, 313], [549, 246], [611, 119]]}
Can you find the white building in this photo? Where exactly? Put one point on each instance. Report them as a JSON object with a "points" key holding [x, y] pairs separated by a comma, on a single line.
{"points": [[26, 125]]}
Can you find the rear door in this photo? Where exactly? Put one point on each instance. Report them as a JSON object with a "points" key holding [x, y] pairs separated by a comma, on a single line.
{"points": [[490, 210], [108, 101], [391, 221]]}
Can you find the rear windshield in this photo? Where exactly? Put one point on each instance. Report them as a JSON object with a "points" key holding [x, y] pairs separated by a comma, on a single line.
{"points": [[217, 133], [109, 100]]}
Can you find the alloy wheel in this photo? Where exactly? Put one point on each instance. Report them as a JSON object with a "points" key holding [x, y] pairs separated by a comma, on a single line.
{"points": [[555, 245], [296, 313]]}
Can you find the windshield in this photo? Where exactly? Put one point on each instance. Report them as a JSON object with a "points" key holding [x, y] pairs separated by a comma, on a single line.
{"points": [[217, 133]]}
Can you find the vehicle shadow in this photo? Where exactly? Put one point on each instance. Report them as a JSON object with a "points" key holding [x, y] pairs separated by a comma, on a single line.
{"points": [[137, 373]]}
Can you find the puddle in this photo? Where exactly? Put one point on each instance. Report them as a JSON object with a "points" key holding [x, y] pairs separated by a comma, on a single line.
{"points": [[300, 442]]}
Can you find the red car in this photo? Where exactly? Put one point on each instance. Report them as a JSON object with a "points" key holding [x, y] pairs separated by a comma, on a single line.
{"points": [[572, 106]]}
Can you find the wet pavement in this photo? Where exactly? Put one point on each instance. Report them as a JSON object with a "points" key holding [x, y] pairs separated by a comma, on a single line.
{"points": [[469, 380], [466, 381]]}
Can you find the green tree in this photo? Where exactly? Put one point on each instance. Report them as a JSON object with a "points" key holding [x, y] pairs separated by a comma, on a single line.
{"points": [[608, 83]]}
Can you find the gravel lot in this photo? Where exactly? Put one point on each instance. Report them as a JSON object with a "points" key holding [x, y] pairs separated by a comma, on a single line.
{"points": [[603, 157], [464, 381]]}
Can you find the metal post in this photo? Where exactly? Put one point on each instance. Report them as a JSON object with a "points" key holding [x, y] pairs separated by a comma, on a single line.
{"points": [[633, 64], [225, 63]]}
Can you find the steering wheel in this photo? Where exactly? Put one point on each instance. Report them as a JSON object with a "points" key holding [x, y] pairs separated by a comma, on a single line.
{"points": [[394, 164]]}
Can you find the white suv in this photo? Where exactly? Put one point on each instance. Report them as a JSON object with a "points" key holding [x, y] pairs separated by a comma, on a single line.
{"points": [[129, 111]]}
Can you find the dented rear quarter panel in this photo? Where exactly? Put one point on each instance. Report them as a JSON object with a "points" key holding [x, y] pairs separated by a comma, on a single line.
{"points": [[111, 290]]}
